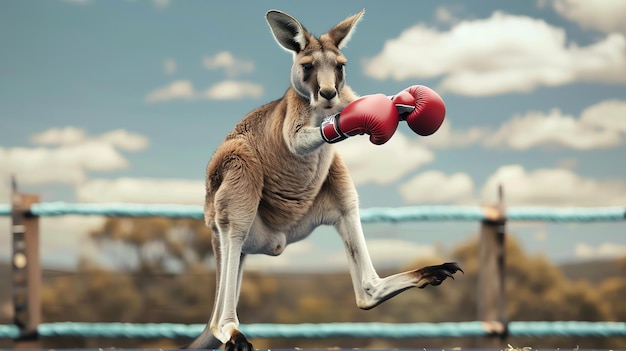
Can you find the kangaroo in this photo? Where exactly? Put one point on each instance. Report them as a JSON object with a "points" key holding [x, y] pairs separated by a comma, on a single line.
{"points": [[275, 178]]}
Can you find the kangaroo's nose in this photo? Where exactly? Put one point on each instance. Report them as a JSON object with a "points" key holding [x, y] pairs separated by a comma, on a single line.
{"points": [[328, 93]]}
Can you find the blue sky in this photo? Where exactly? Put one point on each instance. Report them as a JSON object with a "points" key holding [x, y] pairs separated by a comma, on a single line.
{"points": [[125, 101]]}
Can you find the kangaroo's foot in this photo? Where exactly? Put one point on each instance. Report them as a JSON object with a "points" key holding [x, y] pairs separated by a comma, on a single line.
{"points": [[238, 342], [435, 275]]}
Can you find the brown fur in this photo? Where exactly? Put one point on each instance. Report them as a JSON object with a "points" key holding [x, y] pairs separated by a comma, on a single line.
{"points": [[255, 163]]}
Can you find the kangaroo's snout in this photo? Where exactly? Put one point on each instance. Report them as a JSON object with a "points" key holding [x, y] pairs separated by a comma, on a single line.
{"points": [[328, 94]]}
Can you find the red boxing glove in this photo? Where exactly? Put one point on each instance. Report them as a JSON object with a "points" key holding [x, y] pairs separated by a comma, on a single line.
{"points": [[375, 115], [421, 108]]}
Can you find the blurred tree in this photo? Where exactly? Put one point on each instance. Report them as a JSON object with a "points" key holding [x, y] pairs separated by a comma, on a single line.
{"points": [[140, 289], [104, 297], [536, 290], [613, 292], [152, 245], [148, 270]]}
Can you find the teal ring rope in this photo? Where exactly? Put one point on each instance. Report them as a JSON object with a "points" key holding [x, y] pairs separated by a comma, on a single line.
{"points": [[324, 330], [368, 215]]}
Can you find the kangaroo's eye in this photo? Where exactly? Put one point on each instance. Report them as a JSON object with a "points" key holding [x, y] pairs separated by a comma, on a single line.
{"points": [[307, 67]]}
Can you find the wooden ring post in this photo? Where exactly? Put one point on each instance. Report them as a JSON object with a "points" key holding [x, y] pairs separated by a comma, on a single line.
{"points": [[26, 268]]}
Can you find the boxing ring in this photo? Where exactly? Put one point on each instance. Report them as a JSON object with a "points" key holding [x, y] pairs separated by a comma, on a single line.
{"points": [[325, 330], [491, 324]]}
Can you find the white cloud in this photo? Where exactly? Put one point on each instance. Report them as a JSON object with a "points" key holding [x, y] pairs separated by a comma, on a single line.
{"points": [[447, 14], [169, 66], [382, 164], [437, 187], [609, 114], [79, 2], [232, 90], [59, 136], [603, 251], [64, 165], [178, 90], [70, 155], [72, 136], [444, 15], [125, 140], [568, 163], [600, 126], [158, 4], [603, 15], [446, 137], [161, 4], [553, 187], [142, 190], [500, 54], [225, 60], [541, 129], [225, 90]]}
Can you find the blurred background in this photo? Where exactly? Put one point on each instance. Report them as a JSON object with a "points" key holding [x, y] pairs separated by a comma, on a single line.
{"points": [[126, 101]]}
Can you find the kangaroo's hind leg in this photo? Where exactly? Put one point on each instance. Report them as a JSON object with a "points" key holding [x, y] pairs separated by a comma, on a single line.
{"points": [[231, 208], [369, 288]]}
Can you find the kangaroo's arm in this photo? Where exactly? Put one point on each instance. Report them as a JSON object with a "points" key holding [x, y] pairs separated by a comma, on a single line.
{"points": [[304, 136]]}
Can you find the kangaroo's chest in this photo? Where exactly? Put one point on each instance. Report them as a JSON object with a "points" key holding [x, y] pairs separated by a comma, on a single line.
{"points": [[291, 187]]}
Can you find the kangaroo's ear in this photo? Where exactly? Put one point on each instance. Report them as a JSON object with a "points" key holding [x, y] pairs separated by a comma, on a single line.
{"points": [[341, 33], [287, 31]]}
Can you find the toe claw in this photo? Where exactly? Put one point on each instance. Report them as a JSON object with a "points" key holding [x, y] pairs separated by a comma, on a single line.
{"points": [[435, 275]]}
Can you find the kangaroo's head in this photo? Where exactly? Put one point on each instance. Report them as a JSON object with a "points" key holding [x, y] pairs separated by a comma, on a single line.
{"points": [[318, 71]]}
